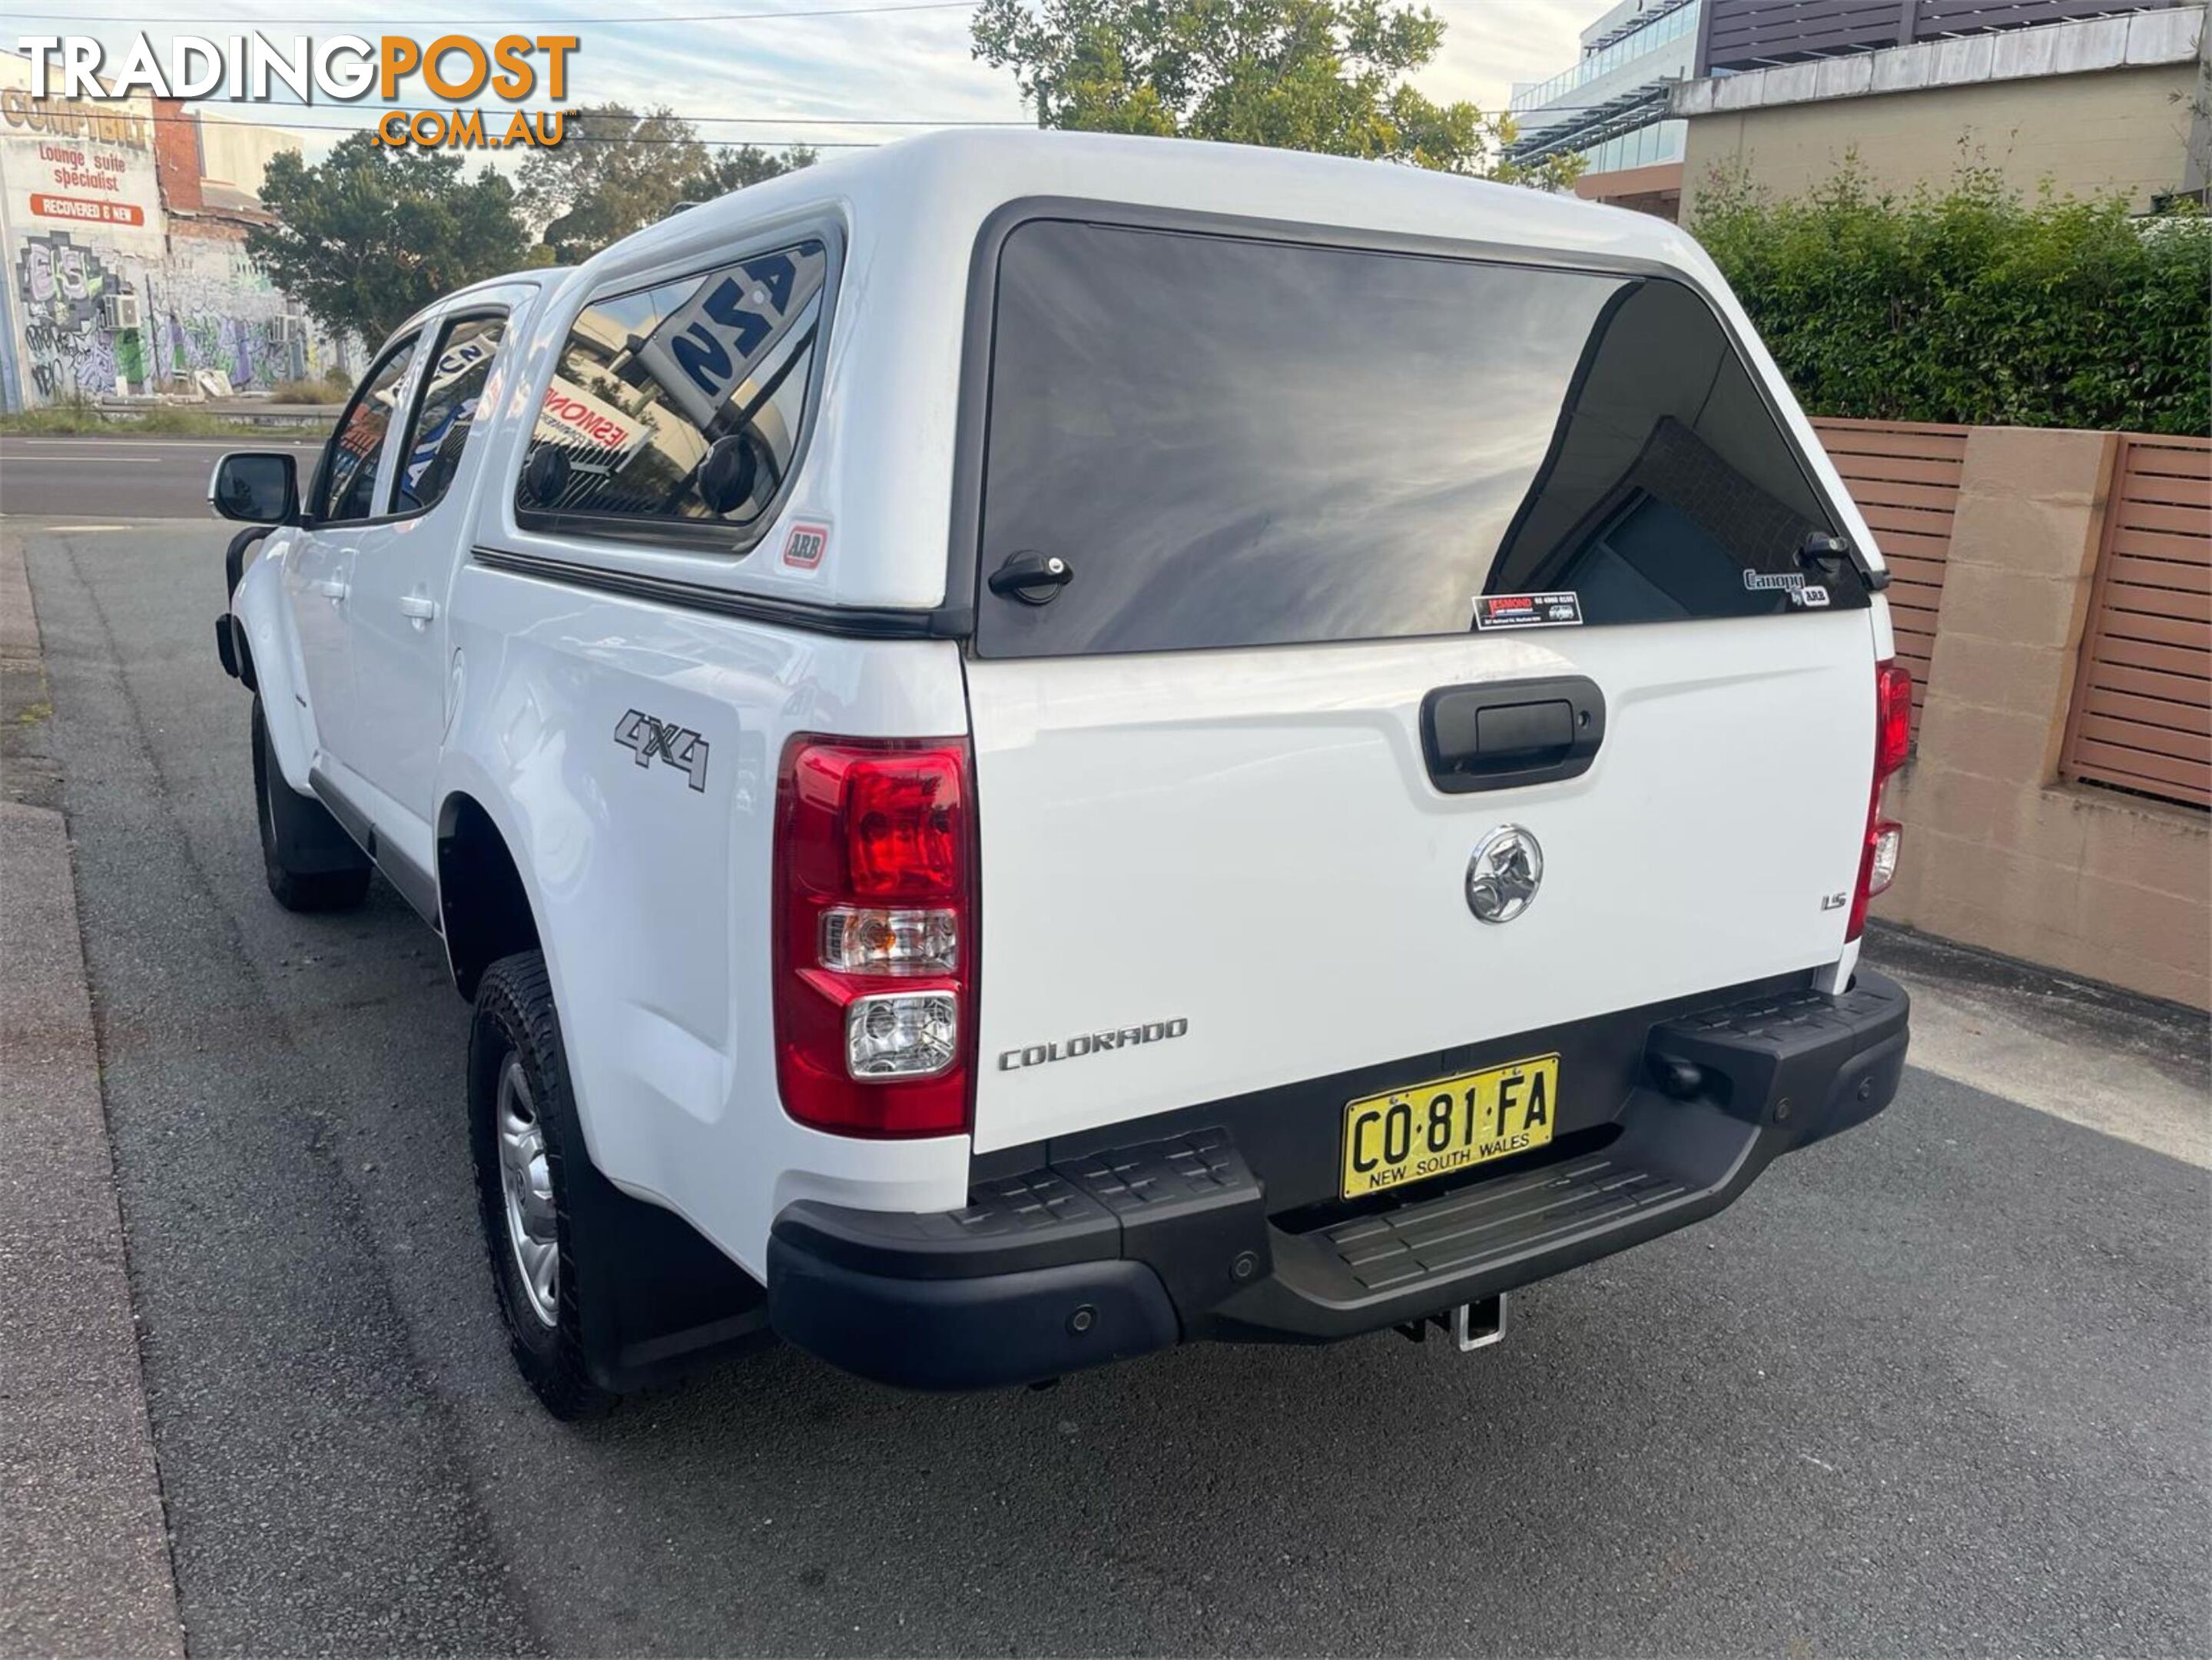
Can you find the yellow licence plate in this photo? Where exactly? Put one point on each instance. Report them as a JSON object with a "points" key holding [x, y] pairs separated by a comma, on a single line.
{"points": [[1449, 1124]]}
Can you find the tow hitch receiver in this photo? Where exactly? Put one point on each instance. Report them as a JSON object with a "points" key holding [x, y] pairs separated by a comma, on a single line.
{"points": [[1478, 1325], [1472, 1325]]}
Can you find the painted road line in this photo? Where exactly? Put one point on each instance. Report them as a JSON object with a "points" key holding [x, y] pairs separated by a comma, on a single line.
{"points": [[48, 459], [55, 449], [112, 446]]}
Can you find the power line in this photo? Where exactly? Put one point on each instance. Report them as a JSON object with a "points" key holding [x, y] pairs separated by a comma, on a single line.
{"points": [[255, 23], [341, 129], [581, 114], [829, 121]]}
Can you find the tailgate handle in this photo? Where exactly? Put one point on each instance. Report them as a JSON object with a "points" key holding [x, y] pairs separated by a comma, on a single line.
{"points": [[1501, 735]]}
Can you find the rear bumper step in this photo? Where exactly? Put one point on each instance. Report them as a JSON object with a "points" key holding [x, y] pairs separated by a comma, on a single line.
{"points": [[1109, 1255], [1493, 1221]]}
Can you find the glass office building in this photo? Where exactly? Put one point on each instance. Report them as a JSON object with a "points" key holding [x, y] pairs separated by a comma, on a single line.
{"points": [[1609, 105]]}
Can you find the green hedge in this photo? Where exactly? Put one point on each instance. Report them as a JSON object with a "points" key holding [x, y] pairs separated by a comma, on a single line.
{"points": [[1974, 305]]}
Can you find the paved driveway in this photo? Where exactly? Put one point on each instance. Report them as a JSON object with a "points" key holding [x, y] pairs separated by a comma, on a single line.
{"points": [[1938, 1385]]}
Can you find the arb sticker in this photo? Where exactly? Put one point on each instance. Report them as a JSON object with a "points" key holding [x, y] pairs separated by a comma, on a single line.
{"points": [[1527, 611], [804, 548]]}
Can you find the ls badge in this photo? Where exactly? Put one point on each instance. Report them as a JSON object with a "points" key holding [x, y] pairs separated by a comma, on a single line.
{"points": [[645, 738], [1503, 876]]}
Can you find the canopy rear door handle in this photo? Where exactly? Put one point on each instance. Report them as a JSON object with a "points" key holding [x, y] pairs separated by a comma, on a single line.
{"points": [[1504, 735], [1035, 578]]}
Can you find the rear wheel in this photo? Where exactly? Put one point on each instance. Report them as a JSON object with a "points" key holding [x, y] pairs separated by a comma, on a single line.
{"points": [[522, 1119], [311, 863]]}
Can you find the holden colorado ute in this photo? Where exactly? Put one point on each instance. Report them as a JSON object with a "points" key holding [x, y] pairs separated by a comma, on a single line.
{"points": [[1032, 747]]}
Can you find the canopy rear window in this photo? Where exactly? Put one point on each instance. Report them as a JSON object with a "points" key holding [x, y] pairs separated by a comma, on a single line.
{"points": [[1236, 442]]}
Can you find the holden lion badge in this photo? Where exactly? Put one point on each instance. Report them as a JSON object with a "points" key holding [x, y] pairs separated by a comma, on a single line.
{"points": [[1503, 876]]}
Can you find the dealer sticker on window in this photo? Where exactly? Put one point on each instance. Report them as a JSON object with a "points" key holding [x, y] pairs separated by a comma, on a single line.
{"points": [[1527, 611]]}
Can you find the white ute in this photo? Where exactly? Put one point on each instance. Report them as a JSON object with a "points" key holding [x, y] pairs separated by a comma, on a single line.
{"points": [[1036, 746]]}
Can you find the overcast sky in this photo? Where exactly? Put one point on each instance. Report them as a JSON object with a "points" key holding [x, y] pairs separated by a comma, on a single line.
{"points": [[784, 74]]}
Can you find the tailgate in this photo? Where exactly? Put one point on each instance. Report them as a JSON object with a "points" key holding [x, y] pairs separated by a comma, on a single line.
{"points": [[1222, 850]]}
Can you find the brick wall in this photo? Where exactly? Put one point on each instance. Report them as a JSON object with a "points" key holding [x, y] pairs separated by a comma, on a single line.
{"points": [[1998, 853], [176, 156]]}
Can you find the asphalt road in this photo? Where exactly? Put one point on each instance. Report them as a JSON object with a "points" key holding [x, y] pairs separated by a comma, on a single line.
{"points": [[102, 479], [1938, 1386]]}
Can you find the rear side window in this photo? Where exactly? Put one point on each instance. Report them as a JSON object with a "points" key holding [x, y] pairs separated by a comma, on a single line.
{"points": [[680, 408], [451, 388], [1236, 443]]}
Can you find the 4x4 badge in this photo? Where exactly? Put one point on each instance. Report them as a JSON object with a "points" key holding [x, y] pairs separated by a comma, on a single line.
{"points": [[681, 747]]}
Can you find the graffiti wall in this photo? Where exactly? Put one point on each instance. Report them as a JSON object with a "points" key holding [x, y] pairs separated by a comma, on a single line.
{"points": [[63, 289], [78, 193], [104, 291], [204, 305], [209, 306]]}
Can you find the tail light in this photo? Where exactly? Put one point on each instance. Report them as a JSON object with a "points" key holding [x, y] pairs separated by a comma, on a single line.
{"points": [[1893, 742], [875, 935]]}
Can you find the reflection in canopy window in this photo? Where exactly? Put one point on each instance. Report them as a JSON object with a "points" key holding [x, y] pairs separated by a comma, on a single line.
{"points": [[1240, 442], [682, 402]]}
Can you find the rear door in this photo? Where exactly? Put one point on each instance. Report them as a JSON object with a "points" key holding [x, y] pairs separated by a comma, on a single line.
{"points": [[1371, 555]]}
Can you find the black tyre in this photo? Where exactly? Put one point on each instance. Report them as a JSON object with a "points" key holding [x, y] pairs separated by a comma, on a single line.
{"points": [[522, 1127], [312, 864]]}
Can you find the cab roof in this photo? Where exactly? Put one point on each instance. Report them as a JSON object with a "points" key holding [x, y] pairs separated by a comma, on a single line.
{"points": [[955, 179]]}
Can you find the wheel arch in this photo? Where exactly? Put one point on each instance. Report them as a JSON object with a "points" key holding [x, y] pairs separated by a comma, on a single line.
{"points": [[485, 909], [269, 644]]}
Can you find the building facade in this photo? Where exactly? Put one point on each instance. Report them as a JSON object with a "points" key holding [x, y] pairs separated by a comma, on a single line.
{"points": [[1610, 106], [2090, 97], [126, 268]]}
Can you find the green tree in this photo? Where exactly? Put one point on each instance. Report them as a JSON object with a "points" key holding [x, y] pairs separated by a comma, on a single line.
{"points": [[1311, 74], [742, 165], [1974, 303], [617, 170], [374, 233]]}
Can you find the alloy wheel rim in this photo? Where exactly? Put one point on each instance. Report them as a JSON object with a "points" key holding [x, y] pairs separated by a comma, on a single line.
{"points": [[526, 1182]]}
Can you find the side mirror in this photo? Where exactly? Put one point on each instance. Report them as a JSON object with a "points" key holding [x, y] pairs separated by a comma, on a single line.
{"points": [[261, 486]]}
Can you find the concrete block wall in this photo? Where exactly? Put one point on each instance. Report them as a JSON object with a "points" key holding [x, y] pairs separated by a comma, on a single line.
{"points": [[2122, 130], [1997, 852]]}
